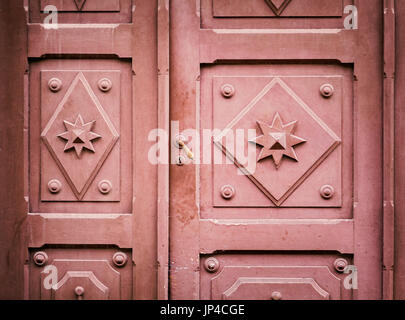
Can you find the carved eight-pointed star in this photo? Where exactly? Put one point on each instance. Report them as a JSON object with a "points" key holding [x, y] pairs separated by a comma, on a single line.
{"points": [[277, 140], [78, 135]]}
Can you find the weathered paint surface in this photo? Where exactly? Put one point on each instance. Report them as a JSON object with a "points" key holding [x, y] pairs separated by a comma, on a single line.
{"points": [[79, 194]]}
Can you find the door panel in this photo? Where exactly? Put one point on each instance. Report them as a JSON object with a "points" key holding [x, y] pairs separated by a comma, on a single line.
{"points": [[272, 14], [89, 274], [275, 277], [81, 170], [83, 11], [282, 8], [263, 97], [300, 82]]}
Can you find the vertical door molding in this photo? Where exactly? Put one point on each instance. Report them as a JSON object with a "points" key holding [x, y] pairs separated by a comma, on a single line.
{"points": [[163, 167], [399, 217], [184, 101], [389, 149], [145, 119]]}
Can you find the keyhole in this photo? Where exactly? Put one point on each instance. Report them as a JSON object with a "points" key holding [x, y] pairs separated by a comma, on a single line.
{"points": [[180, 160]]}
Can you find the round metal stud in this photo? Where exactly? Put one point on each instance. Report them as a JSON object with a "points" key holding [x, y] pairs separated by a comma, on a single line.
{"points": [[54, 186], [105, 84], [105, 186], [211, 265], [227, 90], [227, 192], [40, 258], [340, 265], [120, 259], [327, 90], [79, 291], [276, 295], [327, 191], [55, 84]]}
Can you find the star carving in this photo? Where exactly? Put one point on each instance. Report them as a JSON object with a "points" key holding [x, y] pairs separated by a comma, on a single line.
{"points": [[277, 140], [79, 135]]}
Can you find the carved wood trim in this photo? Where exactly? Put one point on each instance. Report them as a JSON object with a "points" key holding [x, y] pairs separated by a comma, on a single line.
{"points": [[389, 150], [163, 169]]}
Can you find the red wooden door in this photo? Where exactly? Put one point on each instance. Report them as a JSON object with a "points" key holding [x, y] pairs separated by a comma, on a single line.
{"points": [[91, 103], [288, 81], [287, 113]]}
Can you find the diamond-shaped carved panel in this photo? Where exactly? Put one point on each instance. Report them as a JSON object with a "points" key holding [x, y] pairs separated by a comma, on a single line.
{"points": [[292, 141], [79, 136]]}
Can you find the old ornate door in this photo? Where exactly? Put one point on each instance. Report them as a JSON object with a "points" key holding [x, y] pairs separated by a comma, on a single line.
{"points": [[292, 82], [281, 171], [91, 101]]}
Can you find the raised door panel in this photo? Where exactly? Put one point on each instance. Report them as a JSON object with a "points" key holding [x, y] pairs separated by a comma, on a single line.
{"points": [[294, 276], [80, 274], [83, 5], [83, 118], [274, 14], [278, 8], [316, 162], [82, 11]]}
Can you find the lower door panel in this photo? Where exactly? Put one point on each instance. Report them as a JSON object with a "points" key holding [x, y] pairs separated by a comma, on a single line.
{"points": [[278, 276]]}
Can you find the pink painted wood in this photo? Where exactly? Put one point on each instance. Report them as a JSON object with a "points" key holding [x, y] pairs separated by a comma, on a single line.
{"points": [[326, 109], [397, 257]]}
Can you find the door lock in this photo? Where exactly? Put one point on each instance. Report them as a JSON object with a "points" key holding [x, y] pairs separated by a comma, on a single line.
{"points": [[180, 143], [187, 150]]}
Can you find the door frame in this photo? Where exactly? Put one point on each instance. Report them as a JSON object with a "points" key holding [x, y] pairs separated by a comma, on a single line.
{"points": [[163, 61]]}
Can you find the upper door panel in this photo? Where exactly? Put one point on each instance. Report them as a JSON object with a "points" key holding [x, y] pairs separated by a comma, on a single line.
{"points": [[306, 161], [273, 14], [82, 11], [278, 8], [81, 112]]}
